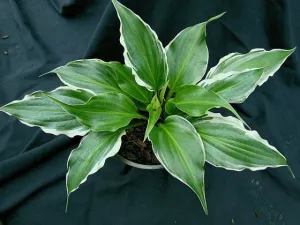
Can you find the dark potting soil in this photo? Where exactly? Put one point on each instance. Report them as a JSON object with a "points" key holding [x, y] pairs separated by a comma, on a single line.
{"points": [[134, 149]]}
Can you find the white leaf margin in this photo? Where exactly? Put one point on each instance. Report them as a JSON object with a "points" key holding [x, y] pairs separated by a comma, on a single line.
{"points": [[82, 131], [203, 149], [125, 53], [78, 60], [197, 25], [115, 149], [229, 120], [210, 73], [221, 76]]}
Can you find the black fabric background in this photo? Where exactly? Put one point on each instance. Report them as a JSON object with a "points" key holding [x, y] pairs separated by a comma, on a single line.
{"points": [[44, 34]]}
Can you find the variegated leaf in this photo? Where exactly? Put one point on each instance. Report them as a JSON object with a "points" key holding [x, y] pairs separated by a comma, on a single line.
{"points": [[143, 52], [39, 110], [256, 58], [234, 87], [105, 112], [196, 101], [187, 56], [180, 150], [229, 145], [92, 75], [127, 83], [90, 156]]}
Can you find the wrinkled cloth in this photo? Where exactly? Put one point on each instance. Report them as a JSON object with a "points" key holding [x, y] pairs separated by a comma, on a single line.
{"points": [[46, 34]]}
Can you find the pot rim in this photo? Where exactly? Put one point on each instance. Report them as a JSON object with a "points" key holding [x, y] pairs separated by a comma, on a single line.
{"points": [[137, 165]]}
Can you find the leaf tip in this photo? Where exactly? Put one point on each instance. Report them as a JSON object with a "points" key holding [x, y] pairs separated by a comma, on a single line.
{"points": [[204, 205], [291, 172], [67, 203], [291, 51], [69, 189], [49, 72], [203, 202], [145, 137], [206, 211], [216, 17], [222, 14]]}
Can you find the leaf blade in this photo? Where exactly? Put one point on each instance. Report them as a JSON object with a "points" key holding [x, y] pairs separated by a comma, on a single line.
{"points": [[256, 58], [229, 145], [196, 101], [105, 112], [47, 115], [70, 96], [163, 92], [92, 75], [234, 87], [171, 109], [154, 109], [179, 148], [127, 83], [187, 55], [143, 52], [90, 156]]}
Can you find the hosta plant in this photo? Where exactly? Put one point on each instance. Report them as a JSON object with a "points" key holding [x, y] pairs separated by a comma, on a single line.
{"points": [[165, 89]]}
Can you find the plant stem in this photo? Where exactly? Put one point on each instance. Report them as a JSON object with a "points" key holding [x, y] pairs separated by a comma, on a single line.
{"points": [[169, 95], [143, 117], [163, 92]]}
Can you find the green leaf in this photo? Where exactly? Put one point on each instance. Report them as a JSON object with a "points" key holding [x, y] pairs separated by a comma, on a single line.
{"points": [[256, 58], [92, 75], [141, 106], [234, 87], [70, 96], [163, 92], [171, 109], [180, 150], [229, 145], [127, 83], [38, 110], [90, 156], [106, 112], [154, 109], [196, 101], [187, 55], [143, 52]]}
